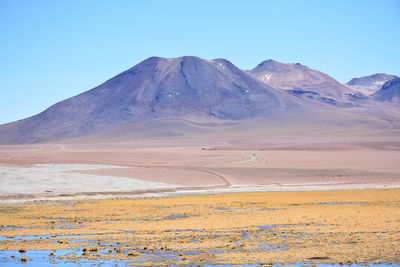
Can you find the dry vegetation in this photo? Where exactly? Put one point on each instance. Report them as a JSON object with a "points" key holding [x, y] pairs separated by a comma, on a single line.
{"points": [[315, 227]]}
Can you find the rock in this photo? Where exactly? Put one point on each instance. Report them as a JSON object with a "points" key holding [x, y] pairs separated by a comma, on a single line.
{"points": [[133, 254]]}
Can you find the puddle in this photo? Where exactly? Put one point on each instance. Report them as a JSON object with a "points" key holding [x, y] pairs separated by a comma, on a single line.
{"points": [[26, 237], [338, 203], [156, 256], [334, 265], [187, 230], [10, 227], [35, 237], [68, 226], [245, 235], [274, 248], [267, 227], [81, 241], [226, 208], [191, 253], [303, 265], [229, 265], [42, 258], [266, 209], [176, 216]]}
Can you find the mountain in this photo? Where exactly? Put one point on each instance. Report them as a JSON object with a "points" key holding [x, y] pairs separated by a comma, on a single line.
{"points": [[312, 84], [193, 97], [188, 89], [371, 83], [390, 92]]}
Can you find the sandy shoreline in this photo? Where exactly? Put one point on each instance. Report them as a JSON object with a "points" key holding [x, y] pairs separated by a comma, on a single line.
{"points": [[161, 193]]}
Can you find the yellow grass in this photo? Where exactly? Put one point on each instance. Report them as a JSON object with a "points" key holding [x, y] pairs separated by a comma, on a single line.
{"points": [[226, 228]]}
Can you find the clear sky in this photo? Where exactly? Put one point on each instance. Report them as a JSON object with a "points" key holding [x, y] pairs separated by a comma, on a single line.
{"points": [[51, 50]]}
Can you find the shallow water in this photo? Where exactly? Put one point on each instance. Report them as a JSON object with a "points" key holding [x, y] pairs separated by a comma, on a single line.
{"points": [[273, 248], [34, 237], [266, 227], [304, 264], [339, 203], [176, 216], [188, 230], [42, 258], [225, 208], [245, 235]]}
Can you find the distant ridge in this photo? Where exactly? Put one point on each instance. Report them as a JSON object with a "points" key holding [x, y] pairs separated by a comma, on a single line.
{"points": [[371, 83], [306, 82], [390, 92]]}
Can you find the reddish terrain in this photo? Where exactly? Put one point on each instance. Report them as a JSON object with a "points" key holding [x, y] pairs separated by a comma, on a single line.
{"points": [[265, 164]]}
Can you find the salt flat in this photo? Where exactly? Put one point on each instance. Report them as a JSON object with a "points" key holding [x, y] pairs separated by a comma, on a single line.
{"points": [[49, 179]]}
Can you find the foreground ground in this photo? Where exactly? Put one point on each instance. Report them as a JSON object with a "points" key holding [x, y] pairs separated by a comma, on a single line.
{"points": [[346, 227], [78, 203]]}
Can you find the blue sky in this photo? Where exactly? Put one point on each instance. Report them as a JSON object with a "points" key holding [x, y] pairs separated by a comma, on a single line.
{"points": [[51, 50]]}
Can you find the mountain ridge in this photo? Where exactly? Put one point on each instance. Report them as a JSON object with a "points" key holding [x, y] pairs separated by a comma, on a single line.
{"points": [[306, 82], [371, 83], [171, 95], [157, 87]]}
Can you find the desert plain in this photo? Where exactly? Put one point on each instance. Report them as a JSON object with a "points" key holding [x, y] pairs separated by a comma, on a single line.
{"points": [[222, 201]]}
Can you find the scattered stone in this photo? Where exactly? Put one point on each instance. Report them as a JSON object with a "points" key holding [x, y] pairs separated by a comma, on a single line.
{"points": [[24, 259], [133, 254], [319, 258]]}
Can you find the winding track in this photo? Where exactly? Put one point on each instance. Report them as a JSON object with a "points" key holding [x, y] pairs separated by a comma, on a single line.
{"points": [[228, 179]]}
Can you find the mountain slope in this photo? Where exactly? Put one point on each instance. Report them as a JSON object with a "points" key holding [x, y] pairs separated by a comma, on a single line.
{"points": [[301, 80], [390, 92], [186, 87], [371, 83]]}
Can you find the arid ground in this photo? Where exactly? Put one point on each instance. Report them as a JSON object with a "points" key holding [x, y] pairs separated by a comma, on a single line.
{"points": [[176, 166], [202, 202]]}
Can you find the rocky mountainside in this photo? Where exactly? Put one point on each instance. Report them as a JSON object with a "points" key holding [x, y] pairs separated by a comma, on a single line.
{"points": [[390, 92], [371, 83], [156, 88], [305, 82]]}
